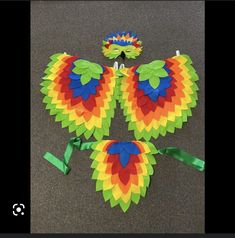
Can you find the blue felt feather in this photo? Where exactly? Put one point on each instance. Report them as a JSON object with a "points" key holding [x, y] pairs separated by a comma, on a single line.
{"points": [[115, 34], [85, 90], [82, 90], [75, 84], [74, 76], [124, 158]]}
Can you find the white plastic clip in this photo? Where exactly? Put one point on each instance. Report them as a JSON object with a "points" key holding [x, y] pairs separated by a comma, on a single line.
{"points": [[177, 53], [115, 65], [121, 66]]}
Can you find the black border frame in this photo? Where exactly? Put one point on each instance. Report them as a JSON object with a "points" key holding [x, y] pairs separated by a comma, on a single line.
{"points": [[15, 94], [220, 165]]}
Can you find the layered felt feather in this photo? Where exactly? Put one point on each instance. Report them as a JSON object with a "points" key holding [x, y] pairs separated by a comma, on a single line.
{"points": [[80, 94], [158, 97], [122, 170]]}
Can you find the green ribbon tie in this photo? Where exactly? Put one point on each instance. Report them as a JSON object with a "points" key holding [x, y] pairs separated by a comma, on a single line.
{"points": [[76, 143], [184, 157], [62, 165]]}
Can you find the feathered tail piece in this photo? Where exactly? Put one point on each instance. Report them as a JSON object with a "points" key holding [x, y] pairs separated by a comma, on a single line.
{"points": [[122, 170]]}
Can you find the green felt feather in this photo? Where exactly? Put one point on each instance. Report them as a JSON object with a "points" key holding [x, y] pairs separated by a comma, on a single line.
{"points": [[80, 130], [143, 191], [99, 186], [87, 70], [152, 72], [53, 112], [151, 159], [147, 180], [124, 206], [107, 194], [113, 202], [95, 174], [94, 153], [149, 169], [98, 133], [72, 127], [94, 164], [88, 133], [151, 147], [135, 198]]}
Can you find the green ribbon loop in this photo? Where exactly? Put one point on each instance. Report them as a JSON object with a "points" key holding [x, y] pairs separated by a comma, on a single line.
{"points": [[62, 165], [184, 157]]}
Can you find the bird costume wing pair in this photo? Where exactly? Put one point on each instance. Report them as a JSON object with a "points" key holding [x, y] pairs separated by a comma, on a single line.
{"points": [[156, 97]]}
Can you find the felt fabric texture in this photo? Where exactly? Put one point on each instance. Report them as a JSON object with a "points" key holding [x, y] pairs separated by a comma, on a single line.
{"points": [[69, 204]]}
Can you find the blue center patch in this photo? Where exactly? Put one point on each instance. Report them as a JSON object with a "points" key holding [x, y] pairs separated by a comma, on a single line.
{"points": [[82, 90], [160, 90], [124, 149]]}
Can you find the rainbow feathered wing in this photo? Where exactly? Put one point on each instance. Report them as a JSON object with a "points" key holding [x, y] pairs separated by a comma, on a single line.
{"points": [[80, 94], [122, 170], [158, 97]]}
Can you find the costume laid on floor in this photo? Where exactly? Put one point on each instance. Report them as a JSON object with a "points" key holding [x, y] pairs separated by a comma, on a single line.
{"points": [[156, 98]]}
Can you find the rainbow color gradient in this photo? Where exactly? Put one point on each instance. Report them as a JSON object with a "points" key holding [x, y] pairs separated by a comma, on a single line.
{"points": [[85, 108], [151, 112], [122, 170], [123, 39]]}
